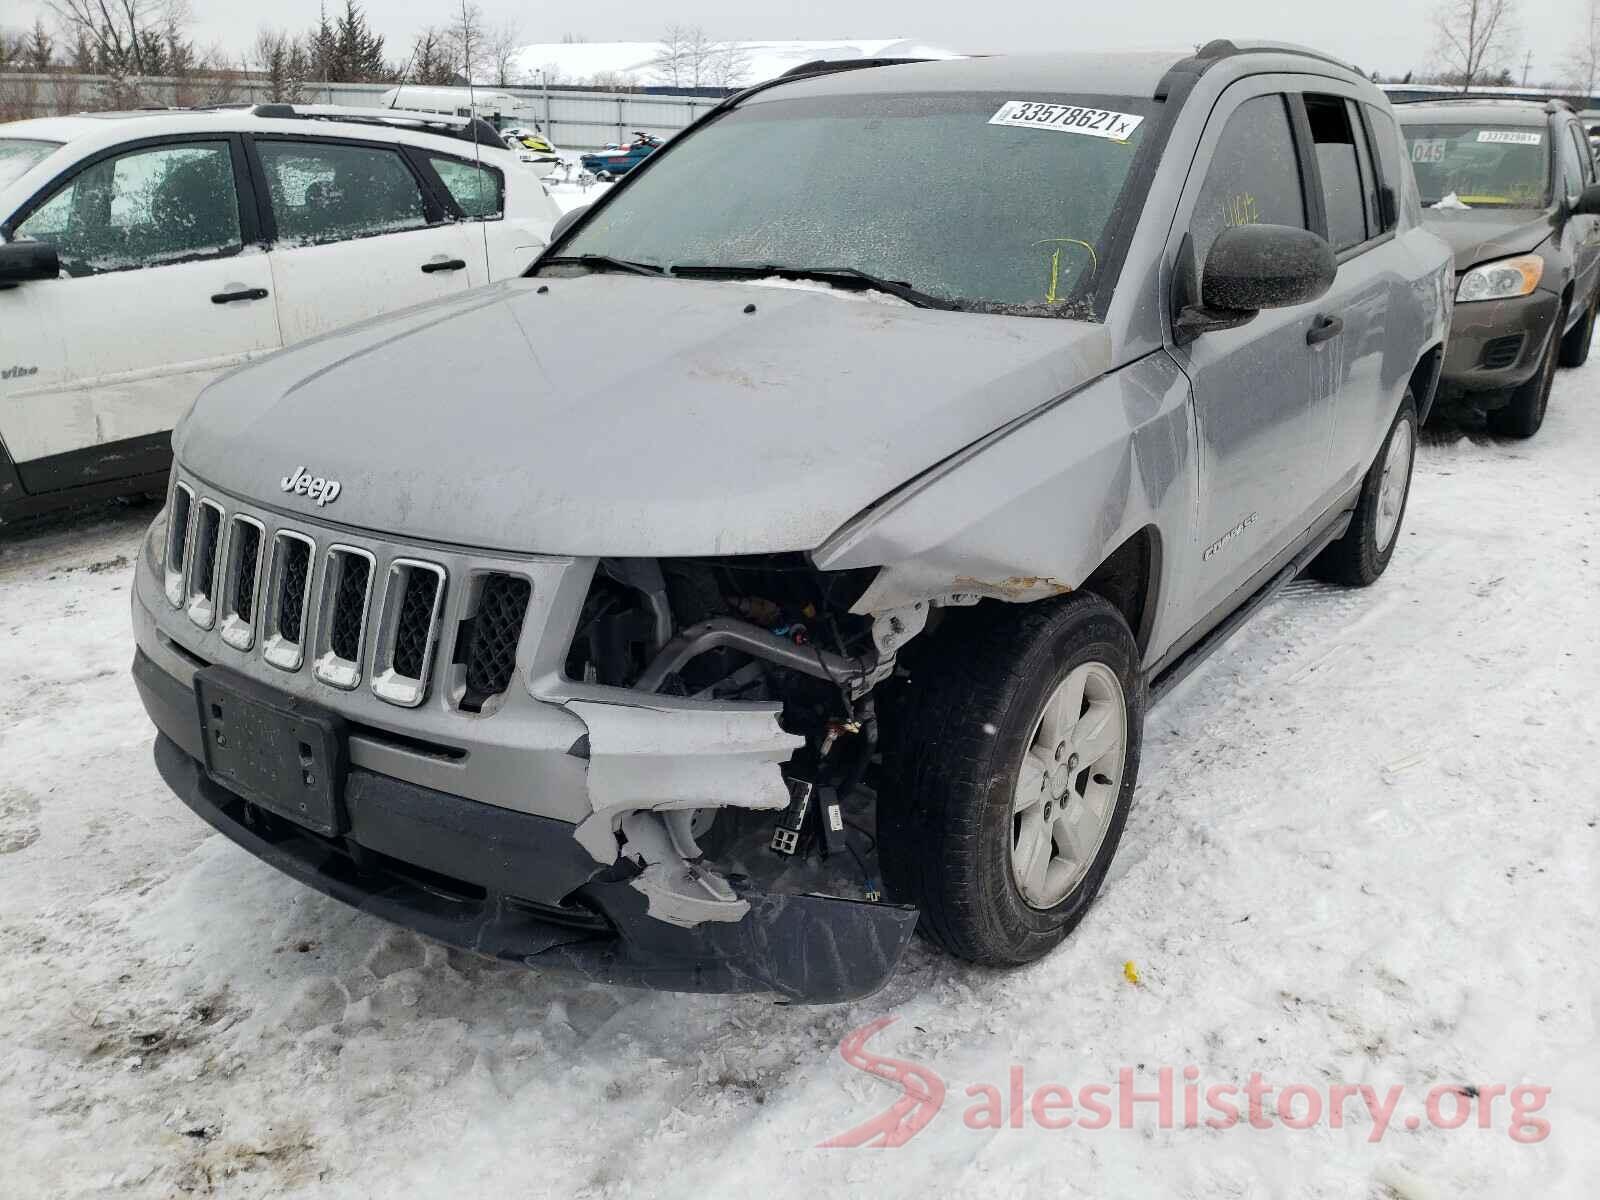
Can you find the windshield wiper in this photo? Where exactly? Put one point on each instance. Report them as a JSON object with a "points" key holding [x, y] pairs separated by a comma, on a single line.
{"points": [[842, 276], [602, 261]]}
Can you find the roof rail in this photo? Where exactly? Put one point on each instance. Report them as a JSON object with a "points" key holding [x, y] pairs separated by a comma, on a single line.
{"points": [[827, 66], [1218, 48], [466, 129], [1548, 105]]}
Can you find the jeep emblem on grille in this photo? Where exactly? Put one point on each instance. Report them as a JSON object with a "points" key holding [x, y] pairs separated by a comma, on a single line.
{"points": [[303, 483]]}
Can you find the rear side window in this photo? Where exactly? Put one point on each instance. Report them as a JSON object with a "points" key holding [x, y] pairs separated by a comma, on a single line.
{"points": [[146, 208], [1254, 176], [480, 191], [1342, 191], [326, 192], [1391, 166]]}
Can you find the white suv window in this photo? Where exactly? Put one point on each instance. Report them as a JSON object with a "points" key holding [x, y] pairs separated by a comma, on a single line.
{"points": [[328, 192], [477, 189], [145, 208]]}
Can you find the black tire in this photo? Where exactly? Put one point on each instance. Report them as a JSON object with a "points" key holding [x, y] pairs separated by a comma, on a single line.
{"points": [[1575, 345], [1357, 558], [945, 813], [1523, 417]]}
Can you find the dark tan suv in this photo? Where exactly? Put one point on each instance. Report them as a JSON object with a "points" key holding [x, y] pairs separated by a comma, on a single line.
{"points": [[1510, 184]]}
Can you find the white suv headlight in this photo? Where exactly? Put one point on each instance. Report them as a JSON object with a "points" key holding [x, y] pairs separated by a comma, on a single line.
{"points": [[1502, 279]]}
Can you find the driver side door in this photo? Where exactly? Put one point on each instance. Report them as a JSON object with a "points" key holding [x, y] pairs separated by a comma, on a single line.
{"points": [[1260, 389]]}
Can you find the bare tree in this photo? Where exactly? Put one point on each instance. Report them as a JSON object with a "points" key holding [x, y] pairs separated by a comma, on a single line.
{"points": [[284, 61], [1583, 63], [128, 37], [501, 48], [670, 64], [729, 65], [432, 60], [467, 40], [1474, 39]]}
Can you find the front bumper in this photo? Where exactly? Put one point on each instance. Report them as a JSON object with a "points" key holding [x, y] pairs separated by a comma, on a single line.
{"points": [[518, 886], [1496, 345]]}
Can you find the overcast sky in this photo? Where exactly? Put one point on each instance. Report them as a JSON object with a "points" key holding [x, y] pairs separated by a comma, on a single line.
{"points": [[1383, 35]]}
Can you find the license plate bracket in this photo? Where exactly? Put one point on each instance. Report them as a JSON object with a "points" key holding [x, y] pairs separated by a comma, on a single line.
{"points": [[274, 750]]}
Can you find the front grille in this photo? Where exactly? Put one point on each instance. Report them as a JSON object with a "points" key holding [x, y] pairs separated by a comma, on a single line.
{"points": [[491, 650], [203, 547], [351, 613], [342, 625], [1502, 351]]}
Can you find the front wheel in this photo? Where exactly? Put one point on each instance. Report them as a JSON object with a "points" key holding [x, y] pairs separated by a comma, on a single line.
{"points": [[1013, 771], [1524, 415], [1363, 553]]}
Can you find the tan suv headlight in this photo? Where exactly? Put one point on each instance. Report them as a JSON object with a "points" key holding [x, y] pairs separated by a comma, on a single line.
{"points": [[1501, 280]]}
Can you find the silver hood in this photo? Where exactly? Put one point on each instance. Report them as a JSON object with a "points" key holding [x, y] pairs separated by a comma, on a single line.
{"points": [[628, 416]]}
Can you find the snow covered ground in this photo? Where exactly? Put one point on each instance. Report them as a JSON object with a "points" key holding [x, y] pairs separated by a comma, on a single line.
{"points": [[1364, 850]]}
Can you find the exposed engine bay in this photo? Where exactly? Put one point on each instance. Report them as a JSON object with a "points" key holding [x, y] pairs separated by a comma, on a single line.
{"points": [[768, 629]]}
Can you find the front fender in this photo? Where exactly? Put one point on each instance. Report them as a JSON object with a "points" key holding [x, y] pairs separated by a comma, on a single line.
{"points": [[1032, 510]]}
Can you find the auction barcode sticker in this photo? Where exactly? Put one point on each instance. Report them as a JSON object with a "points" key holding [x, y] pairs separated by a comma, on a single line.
{"points": [[1067, 118], [1514, 137]]}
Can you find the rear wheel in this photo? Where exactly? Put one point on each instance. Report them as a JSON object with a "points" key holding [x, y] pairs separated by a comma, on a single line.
{"points": [[1575, 346], [1523, 417], [1363, 553], [1013, 774]]}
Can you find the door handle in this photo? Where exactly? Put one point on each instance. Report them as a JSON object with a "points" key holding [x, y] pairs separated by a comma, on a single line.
{"points": [[1323, 328], [446, 264], [246, 294]]}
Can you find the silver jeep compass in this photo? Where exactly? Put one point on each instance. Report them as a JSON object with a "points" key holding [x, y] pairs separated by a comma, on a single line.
{"points": [[786, 563]]}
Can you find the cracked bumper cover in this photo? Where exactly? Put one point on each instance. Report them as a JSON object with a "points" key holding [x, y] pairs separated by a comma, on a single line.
{"points": [[522, 887]]}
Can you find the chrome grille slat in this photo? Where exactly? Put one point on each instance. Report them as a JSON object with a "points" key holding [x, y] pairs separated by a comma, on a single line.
{"points": [[241, 578], [408, 631], [287, 598], [342, 616], [178, 522], [203, 555]]}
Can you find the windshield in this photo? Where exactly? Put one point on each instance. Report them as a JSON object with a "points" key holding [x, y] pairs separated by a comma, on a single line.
{"points": [[1474, 166], [986, 202], [18, 154]]}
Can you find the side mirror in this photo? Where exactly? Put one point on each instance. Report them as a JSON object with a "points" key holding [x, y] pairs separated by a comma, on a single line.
{"points": [[1252, 267], [1588, 204], [25, 262], [567, 220]]}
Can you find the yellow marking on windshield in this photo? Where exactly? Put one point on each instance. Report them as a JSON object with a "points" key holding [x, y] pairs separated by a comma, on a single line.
{"points": [[1052, 294]]}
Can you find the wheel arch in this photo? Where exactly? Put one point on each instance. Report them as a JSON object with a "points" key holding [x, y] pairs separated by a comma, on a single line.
{"points": [[1424, 382]]}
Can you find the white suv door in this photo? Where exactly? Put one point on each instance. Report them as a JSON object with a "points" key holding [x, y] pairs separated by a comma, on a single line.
{"points": [[158, 295], [355, 233]]}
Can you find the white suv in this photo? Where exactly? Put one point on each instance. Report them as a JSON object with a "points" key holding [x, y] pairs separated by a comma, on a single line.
{"points": [[143, 254]]}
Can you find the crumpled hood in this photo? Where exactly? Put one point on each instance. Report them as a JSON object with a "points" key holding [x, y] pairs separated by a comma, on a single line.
{"points": [[1480, 234], [627, 416]]}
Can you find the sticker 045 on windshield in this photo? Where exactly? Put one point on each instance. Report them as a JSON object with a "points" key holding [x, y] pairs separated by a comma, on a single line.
{"points": [[1513, 137], [1067, 118]]}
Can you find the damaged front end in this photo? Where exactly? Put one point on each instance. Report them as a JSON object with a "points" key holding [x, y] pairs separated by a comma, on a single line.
{"points": [[678, 792], [731, 709]]}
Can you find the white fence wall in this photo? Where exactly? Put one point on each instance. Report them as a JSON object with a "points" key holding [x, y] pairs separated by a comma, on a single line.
{"points": [[577, 120]]}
